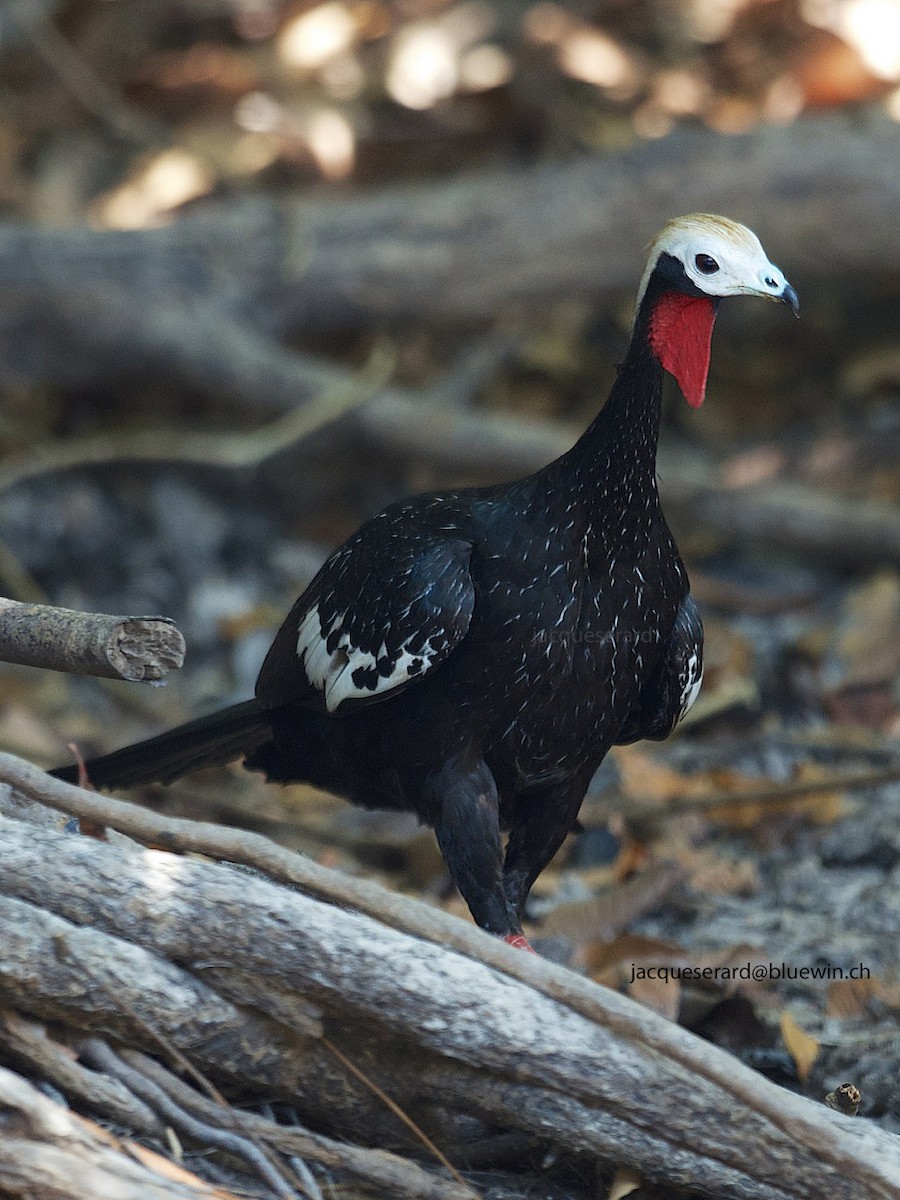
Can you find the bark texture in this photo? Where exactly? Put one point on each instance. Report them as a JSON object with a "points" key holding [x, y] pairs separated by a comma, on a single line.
{"points": [[275, 989], [137, 649]]}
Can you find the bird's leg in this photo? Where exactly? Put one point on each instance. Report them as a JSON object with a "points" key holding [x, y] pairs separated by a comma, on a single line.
{"points": [[463, 807], [541, 819]]}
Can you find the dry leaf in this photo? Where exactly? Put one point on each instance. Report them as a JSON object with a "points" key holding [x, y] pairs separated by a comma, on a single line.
{"points": [[742, 958], [613, 910], [823, 808], [874, 707], [643, 777], [634, 949], [625, 1181], [663, 996], [802, 1046], [849, 997], [832, 72], [710, 871], [866, 646]]}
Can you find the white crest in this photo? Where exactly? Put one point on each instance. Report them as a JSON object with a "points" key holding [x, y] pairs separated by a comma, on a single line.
{"points": [[699, 240]]}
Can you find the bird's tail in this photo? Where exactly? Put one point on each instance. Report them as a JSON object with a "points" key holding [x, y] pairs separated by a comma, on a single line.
{"points": [[219, 737]]}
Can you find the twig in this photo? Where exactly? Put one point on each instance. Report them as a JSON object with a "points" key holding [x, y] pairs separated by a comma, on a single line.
{"points": [[338, 394], [137, 649], [153, 1073], [101, 1056], [456, 251], [398, 1112], [227, 358], [378, 1168], [29, 1042], [47, 1150], [598, 811], [80, 80], [225, 1111], [786, 515], [306, 1178]]}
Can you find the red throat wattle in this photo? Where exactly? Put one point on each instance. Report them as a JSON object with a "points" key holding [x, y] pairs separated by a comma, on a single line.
{"points": [[680, 334]]}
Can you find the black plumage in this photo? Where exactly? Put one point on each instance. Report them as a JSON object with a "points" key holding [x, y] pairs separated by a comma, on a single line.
{"points": [[472, 655]]}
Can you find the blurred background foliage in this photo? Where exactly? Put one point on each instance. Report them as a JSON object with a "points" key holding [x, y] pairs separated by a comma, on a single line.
{"points": [[259, 93]]}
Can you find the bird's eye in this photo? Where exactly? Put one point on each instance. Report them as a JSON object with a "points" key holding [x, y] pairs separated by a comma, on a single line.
{"points": [[706, 264]]}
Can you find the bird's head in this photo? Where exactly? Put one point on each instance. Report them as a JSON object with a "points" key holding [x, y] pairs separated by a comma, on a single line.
{"points": [[694, 263]]}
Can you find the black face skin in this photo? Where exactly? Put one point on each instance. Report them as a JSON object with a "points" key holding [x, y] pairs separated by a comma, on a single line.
{"points": [[671, 273], [668, 275]]}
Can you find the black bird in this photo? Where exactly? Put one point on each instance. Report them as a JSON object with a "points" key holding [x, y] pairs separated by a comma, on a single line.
{"points": [[472, 655]]}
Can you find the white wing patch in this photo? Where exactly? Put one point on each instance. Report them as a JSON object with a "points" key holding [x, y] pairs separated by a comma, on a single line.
{"points": [[345, 672], [693, 678]]}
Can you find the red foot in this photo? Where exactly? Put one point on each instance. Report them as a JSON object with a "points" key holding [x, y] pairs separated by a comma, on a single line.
{"points": [[520, 941]]}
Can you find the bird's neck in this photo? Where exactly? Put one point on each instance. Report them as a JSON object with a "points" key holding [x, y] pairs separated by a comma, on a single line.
{"points": [[613, 464], [616, 455]]}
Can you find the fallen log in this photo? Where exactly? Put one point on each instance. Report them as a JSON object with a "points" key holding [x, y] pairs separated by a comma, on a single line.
{"points": [[436, 1014], [202, 303], [353, 413], [788, 516], [456, 252]]}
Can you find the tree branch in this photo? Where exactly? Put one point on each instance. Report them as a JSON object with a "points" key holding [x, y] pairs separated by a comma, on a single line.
{"points": [[457, 251], [137, 649], [464, 1028]]}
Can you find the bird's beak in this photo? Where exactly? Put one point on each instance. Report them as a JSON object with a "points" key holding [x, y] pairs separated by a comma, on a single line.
{"points": [[789, 296]]}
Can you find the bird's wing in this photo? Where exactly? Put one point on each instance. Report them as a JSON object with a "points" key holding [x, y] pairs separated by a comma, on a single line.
{"points": [[375, 619], [674, 685]]}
